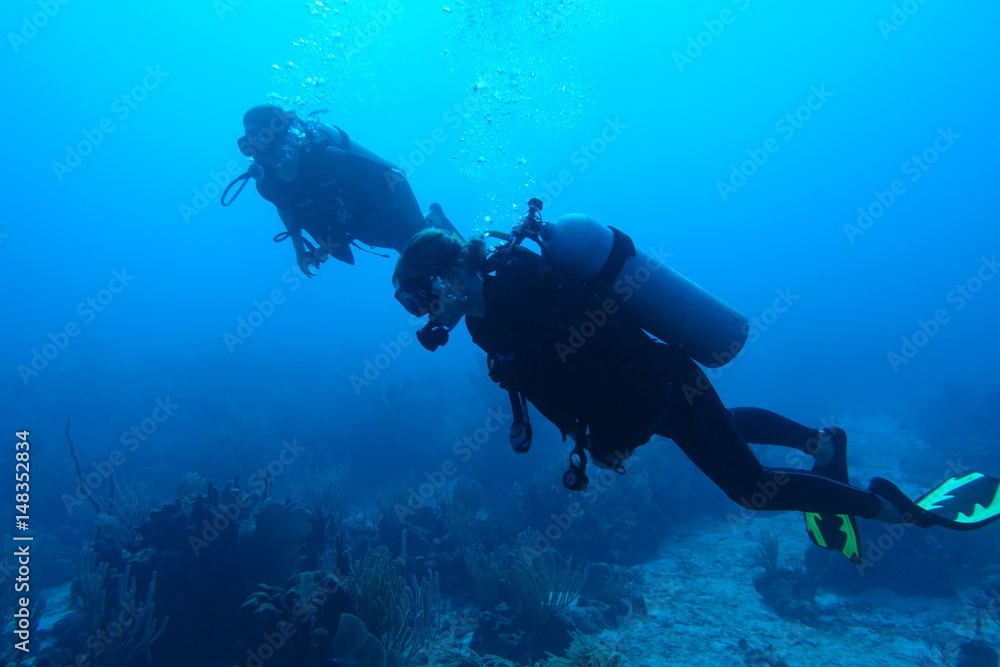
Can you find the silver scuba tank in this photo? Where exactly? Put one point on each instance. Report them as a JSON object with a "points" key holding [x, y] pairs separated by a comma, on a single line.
{"points": [[662, 301]]}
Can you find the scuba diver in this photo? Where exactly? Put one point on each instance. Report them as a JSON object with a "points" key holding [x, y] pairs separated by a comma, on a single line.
{"points": [[326, 184], [566, 330]]}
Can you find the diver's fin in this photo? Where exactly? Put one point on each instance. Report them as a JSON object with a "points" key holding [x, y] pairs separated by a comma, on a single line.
{"points": [[967, 502], [341, 251], [436, 218], [838, 532]]}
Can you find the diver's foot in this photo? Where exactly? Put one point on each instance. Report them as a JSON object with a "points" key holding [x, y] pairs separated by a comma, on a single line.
{"points": [[899, 508], [833, 439]]}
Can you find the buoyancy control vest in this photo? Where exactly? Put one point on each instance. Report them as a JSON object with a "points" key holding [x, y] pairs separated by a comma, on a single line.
{"points": [[587, 367]]}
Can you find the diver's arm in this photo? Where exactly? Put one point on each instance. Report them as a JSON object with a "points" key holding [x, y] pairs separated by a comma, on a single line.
{"points": [[294, 228], [305, 256]]}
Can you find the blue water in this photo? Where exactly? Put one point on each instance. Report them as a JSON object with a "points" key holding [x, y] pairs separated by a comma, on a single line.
{"points": [[829, 169]]}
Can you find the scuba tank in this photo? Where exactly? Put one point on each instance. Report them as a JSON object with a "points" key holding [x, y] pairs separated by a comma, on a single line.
{"points": [[659, 299]]}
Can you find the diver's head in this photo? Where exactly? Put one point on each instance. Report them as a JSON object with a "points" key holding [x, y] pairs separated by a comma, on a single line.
{"points": [[266, 129], [438, 275]]}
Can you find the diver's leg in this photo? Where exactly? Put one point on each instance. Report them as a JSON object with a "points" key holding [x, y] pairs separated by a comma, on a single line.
{"points": [[706, 432], [827, 445], [769, 428]]}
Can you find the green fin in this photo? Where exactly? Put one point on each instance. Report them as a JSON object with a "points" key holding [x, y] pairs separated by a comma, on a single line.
{"points": [[971, 501], [837, 532]]}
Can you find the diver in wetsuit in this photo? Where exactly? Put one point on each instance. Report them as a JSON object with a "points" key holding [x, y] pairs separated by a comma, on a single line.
{"points": [[620, 387], [329, 186]]}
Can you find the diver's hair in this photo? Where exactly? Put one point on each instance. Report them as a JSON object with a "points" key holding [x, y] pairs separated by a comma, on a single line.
{"points": [[431, 252], [473, 257], [269, 116], [434, 252]]}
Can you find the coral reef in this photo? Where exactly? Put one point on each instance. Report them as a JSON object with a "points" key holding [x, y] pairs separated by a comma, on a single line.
{"points": [[791, 592], [583, 651], [528, 579], [545, 585], [294, 625], [354, 645], [324, 492], [121, 626], [271, 544], [405, 615]]}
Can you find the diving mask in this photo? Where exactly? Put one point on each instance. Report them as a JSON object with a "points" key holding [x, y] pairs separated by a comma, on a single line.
{"points": [[434, 299]]}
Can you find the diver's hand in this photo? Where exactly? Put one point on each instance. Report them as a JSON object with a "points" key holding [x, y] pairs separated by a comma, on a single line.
{"points": [[307, 255], [305, 264], [310, 260]]}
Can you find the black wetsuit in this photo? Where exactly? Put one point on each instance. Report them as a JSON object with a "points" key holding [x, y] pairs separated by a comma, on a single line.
{"points": [[344, 192], [625, 387]]}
